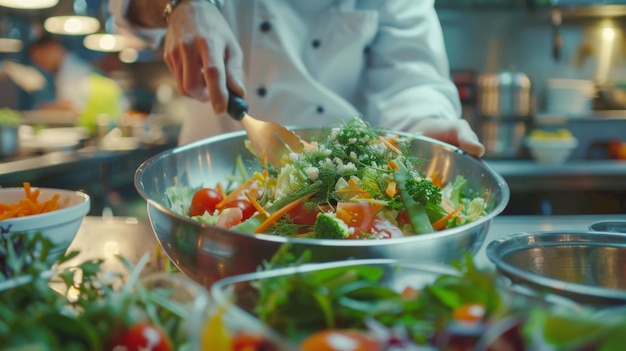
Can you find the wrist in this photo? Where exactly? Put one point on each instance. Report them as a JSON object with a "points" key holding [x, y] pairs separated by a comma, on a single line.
{"points": [[170, 5]]}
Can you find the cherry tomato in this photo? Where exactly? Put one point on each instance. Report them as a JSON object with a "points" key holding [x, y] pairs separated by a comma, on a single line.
{"points": [[229, 217], [358, 215], [204, 199], [243, 341], [410, 293], [383, 229], [344, 340], [144, 337], [301, 214], [246, 207]]}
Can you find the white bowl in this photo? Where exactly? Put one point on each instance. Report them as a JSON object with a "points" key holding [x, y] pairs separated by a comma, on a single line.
{"points": [[59, 226], [551, 151]]}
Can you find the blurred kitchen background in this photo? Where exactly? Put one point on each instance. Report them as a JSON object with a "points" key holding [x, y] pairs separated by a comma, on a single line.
{"points": [[529, 73]]}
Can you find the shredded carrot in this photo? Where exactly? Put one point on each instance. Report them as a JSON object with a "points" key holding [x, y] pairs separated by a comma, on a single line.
{"points": [[393, 165], [352, 182], [29, 205], [441, 223], [392, 188], [264, 159], [220, 190], [256, 204], [390, 145], [235, 193], [274, 217], [437, 179]]}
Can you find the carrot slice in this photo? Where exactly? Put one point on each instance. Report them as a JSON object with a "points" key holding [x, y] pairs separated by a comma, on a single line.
{"points": [[392, 188], [441, 223], [274, 217], [235, 193], [390, 145], [256, 204]]}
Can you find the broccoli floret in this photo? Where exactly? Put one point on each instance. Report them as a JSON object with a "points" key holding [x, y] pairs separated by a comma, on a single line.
{"points": [[327, 226], [423, 191]]}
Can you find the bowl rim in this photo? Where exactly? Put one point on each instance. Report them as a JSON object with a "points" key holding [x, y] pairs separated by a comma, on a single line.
{"points": [[217, 290], [82, 207], [502, 184], [497, 249], [607, 221]]}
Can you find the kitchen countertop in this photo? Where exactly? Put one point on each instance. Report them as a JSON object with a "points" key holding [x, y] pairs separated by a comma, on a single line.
{"points": [[579, 175], [106, 237]]}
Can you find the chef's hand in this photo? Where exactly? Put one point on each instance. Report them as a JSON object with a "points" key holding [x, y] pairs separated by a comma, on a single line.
{"points": [[456, 132], [203, 54]]}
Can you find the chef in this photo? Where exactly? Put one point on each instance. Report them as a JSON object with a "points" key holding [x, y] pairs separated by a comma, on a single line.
{"points": [[306, 63], [79, 88]]}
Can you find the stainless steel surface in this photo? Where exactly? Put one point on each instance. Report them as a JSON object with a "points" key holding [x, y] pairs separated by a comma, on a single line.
{"points": [[584, 266], [208, 253], [502, 137], [612, 97], [9, 141], [504, 106], [611, 226], [572, 175], [504, 94]]}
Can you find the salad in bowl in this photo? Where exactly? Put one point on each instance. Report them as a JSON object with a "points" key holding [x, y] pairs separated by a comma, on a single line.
{"points": [[352, 182]]}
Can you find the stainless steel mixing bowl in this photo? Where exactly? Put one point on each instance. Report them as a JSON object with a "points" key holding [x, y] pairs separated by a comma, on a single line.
{"points": [[208, 253], [587, 267]]}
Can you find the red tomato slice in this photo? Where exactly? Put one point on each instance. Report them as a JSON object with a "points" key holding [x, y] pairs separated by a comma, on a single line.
{"points": [[345, 340], [359, 215], [204, 199], [303, 215], [383, 229], [246, 207], [143, 336], [243, 341], [403, 218], [230, 217]]}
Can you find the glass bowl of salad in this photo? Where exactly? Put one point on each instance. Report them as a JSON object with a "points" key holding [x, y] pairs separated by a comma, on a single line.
{"points": [[354, 191], [378, 304]]}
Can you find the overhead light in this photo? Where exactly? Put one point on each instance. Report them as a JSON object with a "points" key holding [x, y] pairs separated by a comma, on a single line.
{"points": [[74, 21], [29, 5], [129, 55], [106, 42]]}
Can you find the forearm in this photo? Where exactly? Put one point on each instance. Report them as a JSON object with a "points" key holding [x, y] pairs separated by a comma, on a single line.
{"points": [[147, 13]]}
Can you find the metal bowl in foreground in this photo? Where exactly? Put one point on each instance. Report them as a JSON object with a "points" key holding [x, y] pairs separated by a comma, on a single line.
{"points": [[586, 267], [611, 226], [208, 253]]}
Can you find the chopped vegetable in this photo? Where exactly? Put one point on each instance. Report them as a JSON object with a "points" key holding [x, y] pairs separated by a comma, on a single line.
{"points": [[29, 205], [101, 311], [328, 226], [354, 172]]}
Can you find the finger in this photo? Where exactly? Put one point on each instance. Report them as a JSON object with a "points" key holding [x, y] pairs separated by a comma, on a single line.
{"points": [[234, 71], [214, 76], [172, 59], [191, 74], [468, 140]]}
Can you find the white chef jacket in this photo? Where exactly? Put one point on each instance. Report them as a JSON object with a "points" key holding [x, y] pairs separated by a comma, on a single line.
{"points": [[315, 63]]}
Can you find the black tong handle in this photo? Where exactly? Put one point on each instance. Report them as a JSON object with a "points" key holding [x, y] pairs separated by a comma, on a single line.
{"points": [[237, 106]]}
